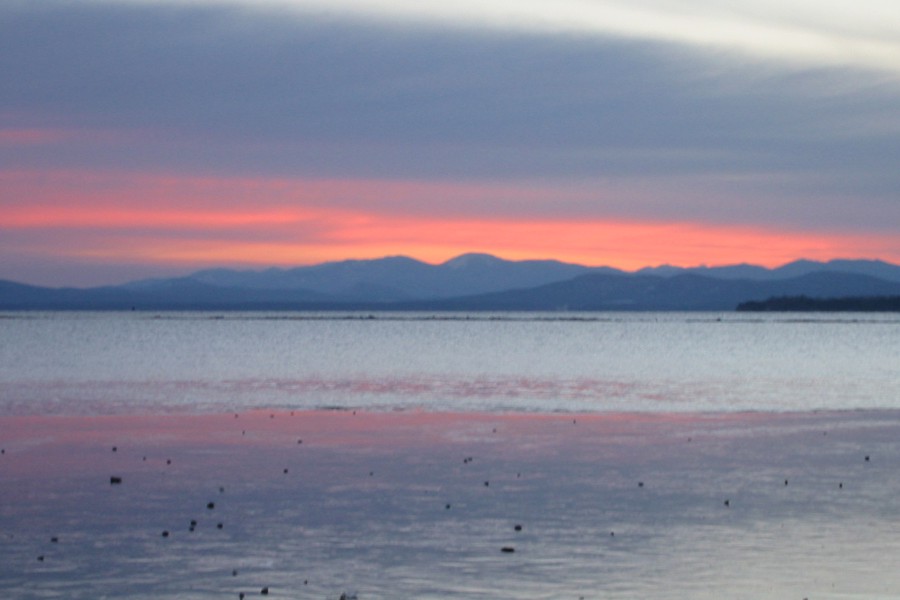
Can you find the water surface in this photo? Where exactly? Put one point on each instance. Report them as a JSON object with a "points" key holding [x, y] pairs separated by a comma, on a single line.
{"points": [[103, 363]]}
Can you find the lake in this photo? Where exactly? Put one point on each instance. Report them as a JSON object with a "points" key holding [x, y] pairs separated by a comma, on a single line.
{"points": [[119, 363], [535, 456]]}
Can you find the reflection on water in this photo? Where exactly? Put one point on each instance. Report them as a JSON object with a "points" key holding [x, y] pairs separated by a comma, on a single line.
{"points": [[394, 505], [109, 363]]}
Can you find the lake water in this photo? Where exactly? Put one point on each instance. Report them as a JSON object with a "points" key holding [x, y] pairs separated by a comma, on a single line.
{"points": [[577, 456], [121, 363]]}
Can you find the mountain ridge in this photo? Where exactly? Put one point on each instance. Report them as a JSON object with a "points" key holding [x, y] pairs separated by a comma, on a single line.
{"points": [[470, 282]]}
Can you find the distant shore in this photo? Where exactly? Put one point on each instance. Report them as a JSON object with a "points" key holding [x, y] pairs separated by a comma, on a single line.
{"points": [[807, 304]]}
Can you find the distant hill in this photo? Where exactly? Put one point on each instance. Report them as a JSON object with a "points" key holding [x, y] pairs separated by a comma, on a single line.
{"points": [[392, 278], [806, 304], [470, 282], [873, 268], [686, 291]]}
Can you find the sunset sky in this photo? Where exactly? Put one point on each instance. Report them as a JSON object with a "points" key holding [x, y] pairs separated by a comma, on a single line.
{"points": [[152, 137]]}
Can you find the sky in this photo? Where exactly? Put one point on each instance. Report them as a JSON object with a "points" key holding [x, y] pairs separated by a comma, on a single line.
{"points": [[156, 137]]}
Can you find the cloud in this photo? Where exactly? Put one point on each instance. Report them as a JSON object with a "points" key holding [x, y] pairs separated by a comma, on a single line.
{"points": [[713, 113]]}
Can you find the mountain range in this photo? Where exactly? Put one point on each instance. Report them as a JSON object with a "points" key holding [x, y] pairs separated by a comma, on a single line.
{"points": [[470, 282]]}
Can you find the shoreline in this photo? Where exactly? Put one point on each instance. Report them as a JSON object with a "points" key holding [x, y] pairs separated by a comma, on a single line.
{"points": [[421, 504]]}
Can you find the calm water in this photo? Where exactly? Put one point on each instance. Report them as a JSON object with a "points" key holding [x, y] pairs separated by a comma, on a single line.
{"points": [[103, 363], [621, 493]]}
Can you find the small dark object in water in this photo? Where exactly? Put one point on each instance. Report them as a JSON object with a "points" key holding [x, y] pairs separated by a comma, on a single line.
{"points": [[785, 482], [264, 591], [507, 549], [612, 534], [841, 485], [447, 506], [54, 540], [193, 522], [728, 503], [144, 459], [191, 528], [221, 489], [241, 596], [518, 528], [210, 505], [165, 533], [271, 416], [371, 473], [234, 572], [41, 558], [487, 483], [867, 458], [115, 480], [495, 430], [285, 471], [299, 441], [220, 525], [168, 461], [640, 484], [115, 449]]}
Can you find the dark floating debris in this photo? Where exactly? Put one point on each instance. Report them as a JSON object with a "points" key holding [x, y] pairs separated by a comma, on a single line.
{"points": [[487, 483], [115, 449], [168, 461], [165, 533], [612, 534], [41, 558], [54, 540], [640, 484], [507, 549], [299, 441], [728, 503], [220, 525], [867, 458], [234, 572], [115, 480], [210, 505], [285, 471], [447, 506], [264, 591], [518, 528], [785, 482], [221, 489], [841, 485]]}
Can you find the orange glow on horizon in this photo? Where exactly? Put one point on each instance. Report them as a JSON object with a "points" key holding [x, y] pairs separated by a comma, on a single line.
{"points": [[195, 222]]}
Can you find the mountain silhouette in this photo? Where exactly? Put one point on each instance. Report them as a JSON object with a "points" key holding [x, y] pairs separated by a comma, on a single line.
{"points": [[470, 282]]}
